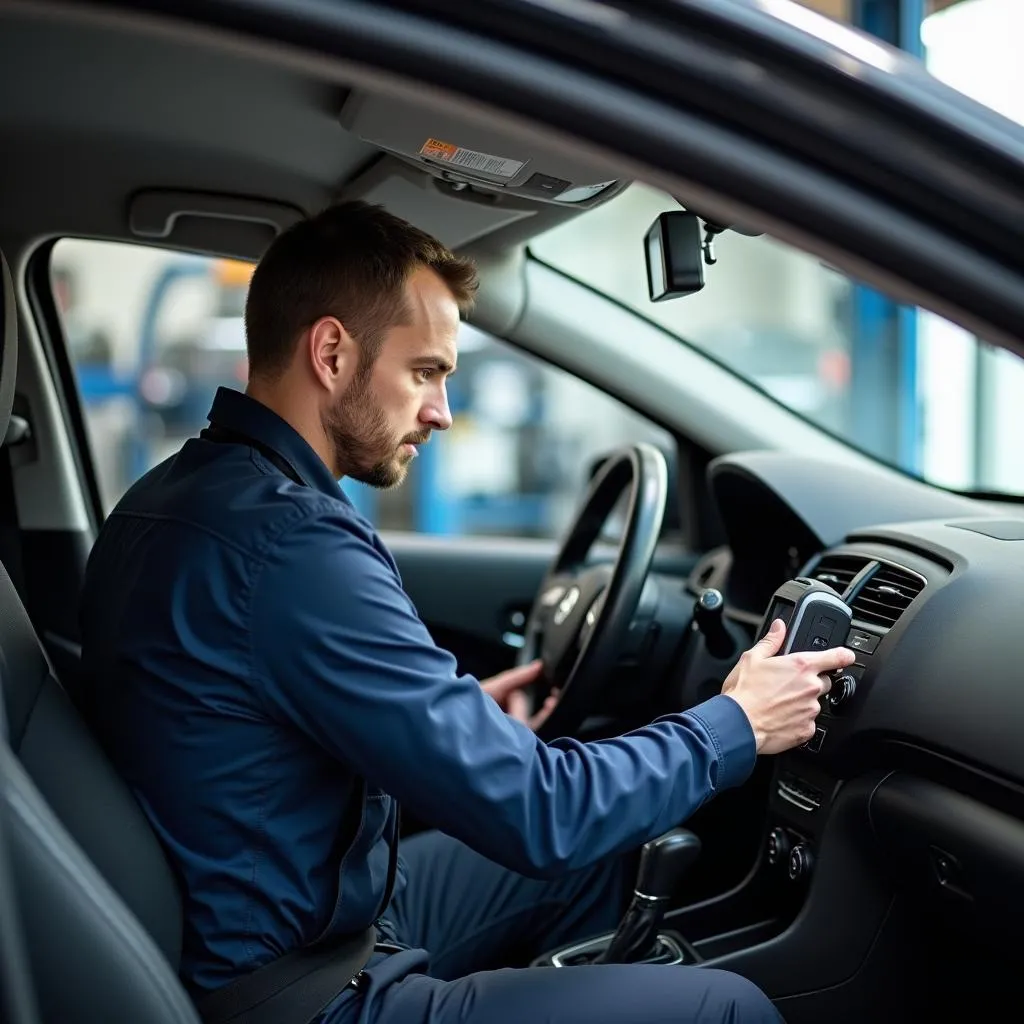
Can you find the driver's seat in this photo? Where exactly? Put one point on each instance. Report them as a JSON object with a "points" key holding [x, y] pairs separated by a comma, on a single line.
{"points": [[98, 903]]}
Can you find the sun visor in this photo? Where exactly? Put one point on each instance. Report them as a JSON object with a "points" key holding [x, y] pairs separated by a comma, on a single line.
{"points": [[467, 155], [456, 219]]}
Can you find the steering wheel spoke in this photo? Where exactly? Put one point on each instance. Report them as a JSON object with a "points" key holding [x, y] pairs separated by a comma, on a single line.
{"points": [[552, 590]]}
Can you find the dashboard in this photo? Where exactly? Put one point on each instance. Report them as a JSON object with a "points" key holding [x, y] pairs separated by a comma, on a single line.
{"points": [[935, 584], [912, 789]]}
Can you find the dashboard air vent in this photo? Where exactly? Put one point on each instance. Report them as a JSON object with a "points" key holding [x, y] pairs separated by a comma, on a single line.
{"points": [[886, 596], [838, 571]]}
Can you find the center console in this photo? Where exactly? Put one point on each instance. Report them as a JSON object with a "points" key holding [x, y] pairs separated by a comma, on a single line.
{"points": [[803, 788], [742, 929]]}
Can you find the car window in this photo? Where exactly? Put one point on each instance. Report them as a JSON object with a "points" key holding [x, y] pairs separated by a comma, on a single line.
{"points": [[897, 382], [152, 335], [974, 47]]}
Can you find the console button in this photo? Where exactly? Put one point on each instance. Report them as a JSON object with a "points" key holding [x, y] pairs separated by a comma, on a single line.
{"points": [[544, 185], [842, 690], [801, 861], [859, 640], [815, 742], [778, 846]]}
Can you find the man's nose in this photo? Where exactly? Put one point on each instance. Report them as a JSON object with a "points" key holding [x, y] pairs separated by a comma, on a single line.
{"points": [[437, 414]]}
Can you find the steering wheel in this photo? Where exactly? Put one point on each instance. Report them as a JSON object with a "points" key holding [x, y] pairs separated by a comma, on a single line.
{"points": [[581, 617]]}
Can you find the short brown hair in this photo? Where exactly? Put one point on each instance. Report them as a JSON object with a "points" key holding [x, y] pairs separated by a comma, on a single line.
{"points": [[350, 261]]}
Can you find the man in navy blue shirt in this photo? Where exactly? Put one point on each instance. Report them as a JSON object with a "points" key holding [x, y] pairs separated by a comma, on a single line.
{"points": [[266, 687]]}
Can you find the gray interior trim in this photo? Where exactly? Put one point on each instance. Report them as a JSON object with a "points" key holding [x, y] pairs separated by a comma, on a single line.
{"points": [[48, 491], [502, 297], [715, 160], [456, 218], [251, 118], [157, 213]]}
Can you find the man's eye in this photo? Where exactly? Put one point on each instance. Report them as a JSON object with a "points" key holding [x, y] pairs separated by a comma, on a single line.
{"points": [[425, 374]]}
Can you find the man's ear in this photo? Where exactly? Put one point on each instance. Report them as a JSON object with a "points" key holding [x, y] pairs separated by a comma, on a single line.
{"points": [[332, 352]]}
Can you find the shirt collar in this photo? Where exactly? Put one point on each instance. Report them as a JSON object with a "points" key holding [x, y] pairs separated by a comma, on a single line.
{"points": [[245, 415]]}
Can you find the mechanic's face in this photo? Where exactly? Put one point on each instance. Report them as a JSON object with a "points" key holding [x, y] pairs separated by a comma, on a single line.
{"points": [[393, 404]]}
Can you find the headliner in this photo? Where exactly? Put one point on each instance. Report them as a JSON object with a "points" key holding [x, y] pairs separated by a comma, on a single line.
{"points": [[104, 111]]}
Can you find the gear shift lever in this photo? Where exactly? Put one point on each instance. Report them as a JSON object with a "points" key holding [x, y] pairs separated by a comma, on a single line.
{"points": [[663, 862], [708, 614]]}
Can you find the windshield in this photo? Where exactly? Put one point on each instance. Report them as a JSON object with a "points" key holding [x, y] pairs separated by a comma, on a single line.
{"points": [[897, 382]]}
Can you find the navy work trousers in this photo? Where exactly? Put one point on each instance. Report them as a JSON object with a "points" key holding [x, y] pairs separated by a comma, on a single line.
{"points": [[473, 917]]}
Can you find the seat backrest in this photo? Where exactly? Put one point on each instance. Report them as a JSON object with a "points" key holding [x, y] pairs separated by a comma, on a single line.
{"points": [[102, 912], [60, 755], [91, 960]]}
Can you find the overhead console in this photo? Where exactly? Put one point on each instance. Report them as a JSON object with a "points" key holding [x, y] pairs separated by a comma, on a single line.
{"points": [[465, 156]]}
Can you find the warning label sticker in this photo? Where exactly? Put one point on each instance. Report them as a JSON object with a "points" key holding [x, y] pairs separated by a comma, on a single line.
{"points": [[499, 166]]}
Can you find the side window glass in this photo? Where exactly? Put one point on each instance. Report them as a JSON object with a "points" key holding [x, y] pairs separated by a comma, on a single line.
{"points": [[524, 439], [153, 334]]}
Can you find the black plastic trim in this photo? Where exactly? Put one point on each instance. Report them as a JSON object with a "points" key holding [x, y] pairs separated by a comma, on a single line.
{"points": [[846, 906], [966, 858]]}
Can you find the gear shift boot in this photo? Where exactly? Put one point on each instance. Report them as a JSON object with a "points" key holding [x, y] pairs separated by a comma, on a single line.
{"points": [[639, 937], [668, 949]]}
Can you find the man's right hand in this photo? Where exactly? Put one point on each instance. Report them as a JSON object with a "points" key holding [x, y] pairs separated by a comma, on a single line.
{"points": [[780, 694]]}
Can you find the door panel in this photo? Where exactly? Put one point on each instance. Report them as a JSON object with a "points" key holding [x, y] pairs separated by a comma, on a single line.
{"points": [[469, 591]]}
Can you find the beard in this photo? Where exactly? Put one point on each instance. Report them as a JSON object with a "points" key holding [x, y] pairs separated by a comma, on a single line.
{"points": [[365, 447]]}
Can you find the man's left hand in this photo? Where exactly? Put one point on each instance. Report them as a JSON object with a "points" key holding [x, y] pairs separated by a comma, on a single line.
{"points": [[507, 689]]}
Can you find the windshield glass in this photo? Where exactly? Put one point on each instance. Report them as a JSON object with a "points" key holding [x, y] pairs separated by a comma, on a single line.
{"points": [[899, 383]]}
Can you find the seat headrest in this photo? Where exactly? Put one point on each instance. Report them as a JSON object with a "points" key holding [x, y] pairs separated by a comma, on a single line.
{"points": [[8, 345]]}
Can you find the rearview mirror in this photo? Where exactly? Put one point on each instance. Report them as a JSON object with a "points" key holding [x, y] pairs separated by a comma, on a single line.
{"points": [[674, 251]]}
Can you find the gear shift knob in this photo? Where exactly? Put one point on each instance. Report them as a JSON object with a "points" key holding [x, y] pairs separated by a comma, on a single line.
{"points": [[708, 612], [664, 861]]}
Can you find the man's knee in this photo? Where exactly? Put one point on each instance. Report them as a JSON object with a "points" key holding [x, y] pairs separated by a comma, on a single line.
{"points": [[733, 998]]}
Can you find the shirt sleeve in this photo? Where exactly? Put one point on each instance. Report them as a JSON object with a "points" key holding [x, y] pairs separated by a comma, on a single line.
{"points": [[340, 652]]}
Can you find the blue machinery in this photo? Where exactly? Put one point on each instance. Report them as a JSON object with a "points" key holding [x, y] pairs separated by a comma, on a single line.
{"points": [[100, 383], [883, 334]]}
